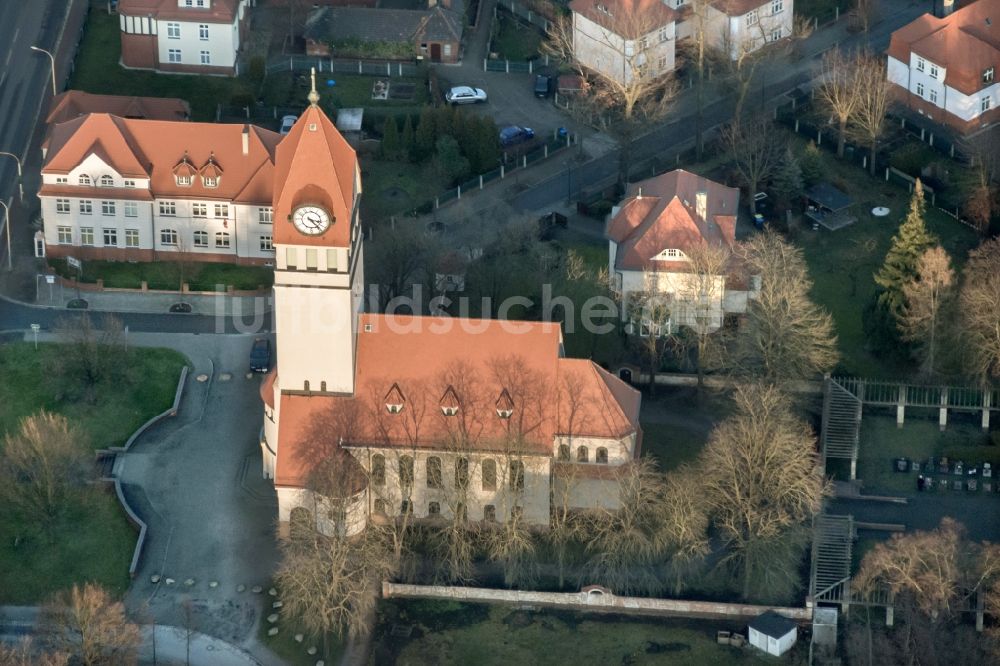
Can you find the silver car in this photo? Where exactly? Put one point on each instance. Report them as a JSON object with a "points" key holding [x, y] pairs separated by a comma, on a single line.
{"points": [[465, 95]]}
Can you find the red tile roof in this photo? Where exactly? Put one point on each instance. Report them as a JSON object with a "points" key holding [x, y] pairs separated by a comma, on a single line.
{"points": [[628, 18], [738, 7], [217, 12], [965, 43], [659, 214], [315, 165], [473, 363], [73, 103], [153, 148]]}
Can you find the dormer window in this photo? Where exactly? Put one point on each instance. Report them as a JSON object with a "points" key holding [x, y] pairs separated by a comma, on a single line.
{"points": [[211, 182], [671, 254], [505, 406], [988, 74], [84, 180], [211, 172], [184, 181], [449, 402], [184, 172], [394, 400], [107, 181]]}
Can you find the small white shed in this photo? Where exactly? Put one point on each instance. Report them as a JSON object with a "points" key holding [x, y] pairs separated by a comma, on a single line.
{"points": [[773, 633]]}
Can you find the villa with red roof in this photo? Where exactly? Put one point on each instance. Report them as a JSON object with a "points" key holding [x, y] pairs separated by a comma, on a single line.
{"points": [[946, 68], [370, 416], [651, 234]]}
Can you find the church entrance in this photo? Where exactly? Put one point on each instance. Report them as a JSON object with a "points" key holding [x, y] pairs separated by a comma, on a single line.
{"points": [[435, 52]]}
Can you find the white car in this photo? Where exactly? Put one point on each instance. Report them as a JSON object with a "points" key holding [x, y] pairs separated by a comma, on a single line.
{"points": [[465, 95], [286, 124]]}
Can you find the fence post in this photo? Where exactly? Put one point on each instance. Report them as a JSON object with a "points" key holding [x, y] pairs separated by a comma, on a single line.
{"points": [[524, 161], [922, 133], [887, 174], [819, 138], [796, 125], [931, 142], [291, 64], [359, 68], [502, 172], [951, 151], [400, 69], [864, 161], [546, 153], [331, 65], [388, 69], [459, 191], [836, 13], [480, 181], [437, 202], [530, 66], [484, 64], [546, 59], [508, 66]]}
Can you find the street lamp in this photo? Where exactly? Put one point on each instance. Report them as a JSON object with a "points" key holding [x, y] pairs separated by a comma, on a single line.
{"points": [[53, 61], [20, 182], [6, 226]]}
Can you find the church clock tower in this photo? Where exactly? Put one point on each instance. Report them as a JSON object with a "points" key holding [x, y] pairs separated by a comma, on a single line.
{"points": [[319, 264]]}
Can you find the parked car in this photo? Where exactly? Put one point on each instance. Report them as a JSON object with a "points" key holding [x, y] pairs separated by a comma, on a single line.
{"points": [[543, 85], [260, 355], [515, 134], [286, 124], [465, 95]]}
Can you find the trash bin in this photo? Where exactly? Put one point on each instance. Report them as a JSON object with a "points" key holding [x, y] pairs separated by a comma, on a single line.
{"points": [[758, 220], [562, 132]]}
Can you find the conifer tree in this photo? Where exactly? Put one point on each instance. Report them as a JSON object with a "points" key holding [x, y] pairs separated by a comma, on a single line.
{"points": [[390, 139], [811, 164], [406, 142], [908, 245], [425, 135], [787, 183]]}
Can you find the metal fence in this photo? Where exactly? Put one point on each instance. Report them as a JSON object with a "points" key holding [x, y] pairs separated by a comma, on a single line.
{"points": [[344, 66], [525, 14], [509, 66]]}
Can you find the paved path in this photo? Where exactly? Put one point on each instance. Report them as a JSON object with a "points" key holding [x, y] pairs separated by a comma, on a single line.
{"points": [[196, 480]]}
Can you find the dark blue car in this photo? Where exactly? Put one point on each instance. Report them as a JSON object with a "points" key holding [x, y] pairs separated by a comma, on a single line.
{"points": [[260, 355], [513, 135]]}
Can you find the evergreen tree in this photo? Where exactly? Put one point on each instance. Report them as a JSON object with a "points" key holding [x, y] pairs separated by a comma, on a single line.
{"points": [[443, 122], [787, 184], [449, 161], [811, 164], [406, 142], [425, 135], [390, 139], [908, 245]]}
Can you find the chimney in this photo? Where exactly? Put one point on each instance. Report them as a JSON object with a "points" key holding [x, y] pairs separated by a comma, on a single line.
{"points": [[701, 205], [246, 140]]}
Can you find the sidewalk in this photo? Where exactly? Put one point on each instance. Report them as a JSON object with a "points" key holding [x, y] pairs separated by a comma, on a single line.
{"points": [[59, 296]]}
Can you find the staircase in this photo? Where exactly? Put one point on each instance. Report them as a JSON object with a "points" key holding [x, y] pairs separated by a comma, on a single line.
{"points": [[833, 540], [841, 429]]}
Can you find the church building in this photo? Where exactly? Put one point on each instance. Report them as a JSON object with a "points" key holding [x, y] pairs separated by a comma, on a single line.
{"points": [[368, 416]]}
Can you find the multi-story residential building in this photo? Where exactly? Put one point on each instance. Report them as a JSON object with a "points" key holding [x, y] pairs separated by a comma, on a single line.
{"points": [[369, 417], [651, 234], [946, 68], [620, 38], [191, 36], [143, 190]]}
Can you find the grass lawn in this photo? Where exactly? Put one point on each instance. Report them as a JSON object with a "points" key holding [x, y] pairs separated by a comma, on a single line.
{"points": [[514, 40], [291, 651], [167, 275], [349, 90], [672, 445], [97, 70], [395, 188], [842, 263], [93, 541], [918, 439], [456, 633]]}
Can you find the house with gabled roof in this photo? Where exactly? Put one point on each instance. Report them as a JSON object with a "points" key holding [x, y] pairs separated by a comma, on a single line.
{"points": [[377, 416], [130, 189], [946, 68], [651, 234]]}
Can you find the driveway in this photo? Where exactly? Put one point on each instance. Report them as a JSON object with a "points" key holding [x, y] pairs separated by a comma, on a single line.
{"points": [[196, 481]]}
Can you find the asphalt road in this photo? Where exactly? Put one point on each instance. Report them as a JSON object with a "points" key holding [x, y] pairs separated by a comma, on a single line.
{"points": [[670, 136], [16, 317]]}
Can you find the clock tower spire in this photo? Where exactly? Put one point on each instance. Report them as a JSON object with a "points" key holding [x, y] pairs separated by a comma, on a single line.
{"points": [[319, 263]]}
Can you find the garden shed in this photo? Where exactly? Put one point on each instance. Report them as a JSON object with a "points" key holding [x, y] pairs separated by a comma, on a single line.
{"points": [[773, 633]]}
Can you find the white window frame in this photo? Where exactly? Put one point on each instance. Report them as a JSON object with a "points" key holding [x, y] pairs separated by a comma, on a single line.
{"points": [[86, 207], [199, 210], [168, 237], [128, 182], [107, 181], [265, 215], [168, 208], [920, 89], [62, 180], [210, 182], [205, 57], [87, 236], [221, 211], [223, 240], [174, 55], [934, 71], [664, 34], [266, 243], [751, 18], [921, 64], [985, 104], [131, 209], [989, 74], [203, 32], [932, 95], [62, 206], [200, 238], [173, 31], [84, 180], [777, 6], [110, 237], [184, 181], [108, 208], [64, 235], [131, 238], [777, 34]]}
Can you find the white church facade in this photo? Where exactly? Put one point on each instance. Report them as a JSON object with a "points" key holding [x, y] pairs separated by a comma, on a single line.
{"points": [[370, 415]]}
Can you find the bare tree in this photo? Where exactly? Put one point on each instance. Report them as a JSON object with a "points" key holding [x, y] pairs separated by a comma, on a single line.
{"points": [[701, 301], [923, 320], [650, 314], [875, 89], [399, 257], [762, 485], [839, 93], [980, 311], [41, 464], [787, 336], [330, 584], [89, 625], [91, 354], [631, 90], [983, 151], [685, 525], [755, 150], [26, 653]]}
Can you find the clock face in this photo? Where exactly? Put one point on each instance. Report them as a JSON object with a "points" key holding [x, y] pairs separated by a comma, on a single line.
{"points": [[311, 220]]}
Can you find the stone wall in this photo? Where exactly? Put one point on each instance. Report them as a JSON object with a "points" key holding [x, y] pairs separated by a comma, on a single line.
{"points": [[592, 598]]}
